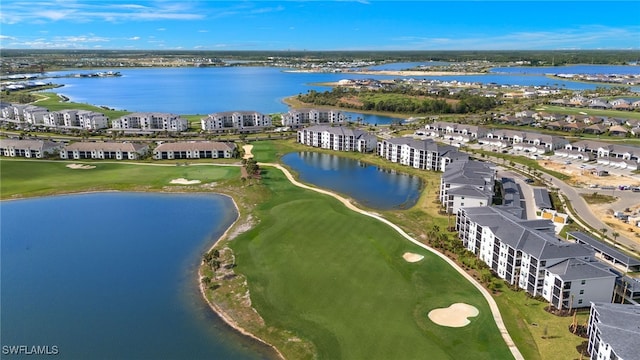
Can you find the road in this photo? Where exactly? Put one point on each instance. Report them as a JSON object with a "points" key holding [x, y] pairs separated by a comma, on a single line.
{"points": [[583, 211]]}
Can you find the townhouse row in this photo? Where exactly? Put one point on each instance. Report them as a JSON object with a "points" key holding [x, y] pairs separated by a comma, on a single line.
{"points": [[117, 150]]}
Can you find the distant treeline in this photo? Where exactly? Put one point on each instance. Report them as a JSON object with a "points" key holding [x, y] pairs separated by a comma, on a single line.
{"points": [[400, 100], [536, 57]]}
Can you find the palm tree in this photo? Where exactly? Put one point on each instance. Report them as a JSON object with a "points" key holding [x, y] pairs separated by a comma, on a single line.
{"points": [[615, 235], [603, 231]]}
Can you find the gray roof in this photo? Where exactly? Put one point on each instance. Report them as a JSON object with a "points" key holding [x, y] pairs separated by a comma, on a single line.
{"points": [[196, 146], [604, 248], [532, 237], [339, 130], [511, 196], [576, 269], [619, 326], [105, 146], [40, 145], [542, 199], [470, 191]]}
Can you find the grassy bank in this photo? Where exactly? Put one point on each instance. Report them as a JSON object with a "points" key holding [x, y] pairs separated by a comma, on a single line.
{"points": [[337, 279], [28, 178]]}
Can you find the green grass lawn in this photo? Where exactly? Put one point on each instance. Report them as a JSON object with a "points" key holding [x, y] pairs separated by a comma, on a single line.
{"points": [[338, 279], [24, 178]]}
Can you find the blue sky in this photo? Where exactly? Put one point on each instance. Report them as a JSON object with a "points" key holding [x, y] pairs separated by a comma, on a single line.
{"points": [[319, 25]]}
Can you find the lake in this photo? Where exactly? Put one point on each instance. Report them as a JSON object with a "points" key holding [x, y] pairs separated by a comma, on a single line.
{"points": [[208, 90], [369, 185], [114, 276]]}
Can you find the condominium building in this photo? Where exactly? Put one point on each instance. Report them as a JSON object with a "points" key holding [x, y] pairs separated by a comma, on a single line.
{"points": [[518, 251], [239, 121], [84, 119], [104, 150], [614, 331], [150, 121], [467, 183], [296, 118], [338, 138], [420, 154], [195, 150], [28, 148], [575, 283], [450, 129]]}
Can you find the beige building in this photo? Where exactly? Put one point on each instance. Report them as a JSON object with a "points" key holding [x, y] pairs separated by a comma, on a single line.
{"points": [[195, 150], [239, 121]]}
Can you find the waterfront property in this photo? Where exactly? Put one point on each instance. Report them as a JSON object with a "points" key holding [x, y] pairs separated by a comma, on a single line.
{"points": [[81, 119], [296, 118], [236, 121], [419, 154], [150, 121], [467, 183], [338, 138], [28, 148], [24, 114], [614, 330], [519, 251], [195, 150], [104, 150]]}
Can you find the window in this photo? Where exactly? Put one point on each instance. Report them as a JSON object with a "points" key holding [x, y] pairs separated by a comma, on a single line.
{"points": [[581, 292], [579, 301], [583, 282]]}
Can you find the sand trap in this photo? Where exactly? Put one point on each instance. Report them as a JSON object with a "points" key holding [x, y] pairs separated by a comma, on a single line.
{"points": [[411, 257], [247, 151], [454, 316], [80, 166], [183, 181]]}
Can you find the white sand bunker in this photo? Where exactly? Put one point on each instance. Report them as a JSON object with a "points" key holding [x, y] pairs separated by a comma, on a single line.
{"points": [[80, 166], [247, 151], [411, 257], [183, 181], [454, 316]]}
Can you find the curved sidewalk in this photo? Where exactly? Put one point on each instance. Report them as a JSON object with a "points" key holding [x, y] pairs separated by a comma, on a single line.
{"points": [[492, 304]]}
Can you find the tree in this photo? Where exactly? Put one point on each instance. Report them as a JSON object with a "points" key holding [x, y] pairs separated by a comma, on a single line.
{"points": [[603, 231], [615, 235]]}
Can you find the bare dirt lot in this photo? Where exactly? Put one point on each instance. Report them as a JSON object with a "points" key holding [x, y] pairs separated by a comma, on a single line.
{"points": [[585, 177]]}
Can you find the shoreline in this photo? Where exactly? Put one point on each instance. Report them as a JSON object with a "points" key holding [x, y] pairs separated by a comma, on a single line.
{"points": [[392, 72]]}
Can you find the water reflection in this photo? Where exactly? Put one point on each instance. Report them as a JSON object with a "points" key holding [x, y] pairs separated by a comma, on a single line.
{"points": [[369, 185]]}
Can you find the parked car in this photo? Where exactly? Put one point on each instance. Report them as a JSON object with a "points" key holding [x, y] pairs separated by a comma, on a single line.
{"points": [[529, 181]]}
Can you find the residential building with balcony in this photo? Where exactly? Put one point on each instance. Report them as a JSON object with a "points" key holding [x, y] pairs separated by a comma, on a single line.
{"points": [[467, 183], [296, 118], [419, 154], [195, 150], [614, 330], [37, 149], [236, 121], [150, 121], [338, 138], [104, 150]]}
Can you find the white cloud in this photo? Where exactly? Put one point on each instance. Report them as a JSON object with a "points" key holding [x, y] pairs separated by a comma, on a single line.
{"points": [[134, 38]]}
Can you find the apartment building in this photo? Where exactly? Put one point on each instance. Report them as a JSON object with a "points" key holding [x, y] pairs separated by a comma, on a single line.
{"points": [[150, 121], [338, 138], [450, 129], [574, 283], [518, 251], [195, 150], [104, 150], [467, 183], [614, 330], [604, 153], [420, 154], [296, 118], [523, 140], [28, 148], [238, 121], [82, 119]]}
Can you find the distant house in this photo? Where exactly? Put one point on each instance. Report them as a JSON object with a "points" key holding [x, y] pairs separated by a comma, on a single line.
{"points": [[618, 130], [195, 150], [104, 150], [28, 148]]}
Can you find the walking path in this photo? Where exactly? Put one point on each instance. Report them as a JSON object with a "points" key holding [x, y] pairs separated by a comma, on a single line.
{"points": [[492, 304]]}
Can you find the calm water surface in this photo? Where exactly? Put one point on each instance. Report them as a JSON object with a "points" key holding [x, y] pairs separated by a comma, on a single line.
{"points": [[114, 276], [208, 90], [369, 185]]}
